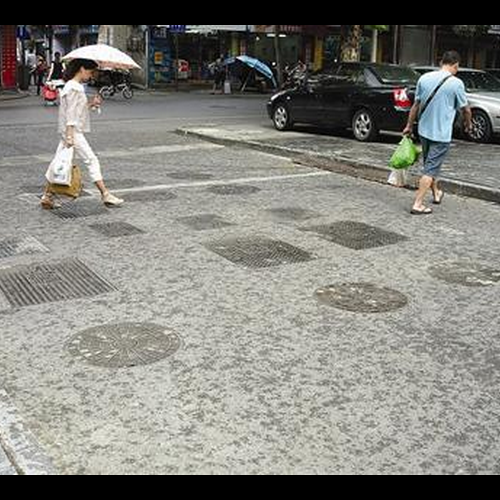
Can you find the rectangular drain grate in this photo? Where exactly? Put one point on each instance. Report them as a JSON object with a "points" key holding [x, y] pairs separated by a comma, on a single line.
{"points": [[36, 284], [77, 210], [204, 222], [20, 246], [356, 235], [116, 229], [258, 253]]}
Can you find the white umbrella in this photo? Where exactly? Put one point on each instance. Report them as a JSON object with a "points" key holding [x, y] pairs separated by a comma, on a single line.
{"points": [[107, 57]]}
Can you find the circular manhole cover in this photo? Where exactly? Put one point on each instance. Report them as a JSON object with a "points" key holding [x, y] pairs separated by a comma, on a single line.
{"points": [[466, 274], [362, 298], [233, 189], [124, 345]]}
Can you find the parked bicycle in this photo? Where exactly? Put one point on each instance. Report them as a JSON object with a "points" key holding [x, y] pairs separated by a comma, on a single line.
{"points": [[117, 83]]}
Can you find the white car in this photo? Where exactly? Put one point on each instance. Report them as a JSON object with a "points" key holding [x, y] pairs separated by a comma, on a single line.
{"points": [[483, 92]]}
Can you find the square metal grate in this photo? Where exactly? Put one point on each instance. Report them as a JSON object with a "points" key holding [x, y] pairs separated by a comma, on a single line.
{"points": [[13, 247], [44, 283], [356, 235], [258, 253], [77, 210]]}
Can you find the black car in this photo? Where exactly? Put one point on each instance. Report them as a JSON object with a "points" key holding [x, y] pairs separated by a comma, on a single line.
{"points": [[365, 97], [494, 72]]}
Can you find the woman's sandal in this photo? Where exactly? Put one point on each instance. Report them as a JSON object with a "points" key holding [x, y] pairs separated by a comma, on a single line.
{"points": [[425, 211], [48, 203], [439, 200]]}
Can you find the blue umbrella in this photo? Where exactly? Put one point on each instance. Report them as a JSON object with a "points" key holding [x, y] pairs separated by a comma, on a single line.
{"points": [[255, 64]]}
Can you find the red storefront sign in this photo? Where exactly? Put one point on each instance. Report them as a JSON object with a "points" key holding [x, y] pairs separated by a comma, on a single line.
{"points": [[8, 54]]}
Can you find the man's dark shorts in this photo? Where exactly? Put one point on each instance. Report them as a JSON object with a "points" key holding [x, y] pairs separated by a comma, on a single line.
{"points": [[435, 154]]}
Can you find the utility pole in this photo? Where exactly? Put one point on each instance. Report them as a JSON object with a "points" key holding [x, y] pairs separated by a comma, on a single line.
{"points": [[375, 37], [176, 64], [277, 49], [433, 44], [396, 44]]}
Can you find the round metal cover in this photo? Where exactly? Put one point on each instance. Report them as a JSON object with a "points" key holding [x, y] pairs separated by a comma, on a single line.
{"points": [[466, 274], [362, 298], [124, 345]]}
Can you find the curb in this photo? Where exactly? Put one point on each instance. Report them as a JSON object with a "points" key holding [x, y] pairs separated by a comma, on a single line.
{"points": [[348, 166], [19, 444], [14, 96]]}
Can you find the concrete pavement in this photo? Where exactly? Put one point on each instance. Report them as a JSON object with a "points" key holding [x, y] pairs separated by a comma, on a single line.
{"points": [[242, 314]]}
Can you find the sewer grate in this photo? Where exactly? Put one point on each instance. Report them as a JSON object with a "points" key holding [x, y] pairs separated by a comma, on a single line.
{"points": [[362, 298], [13, 247], [43, 283], [124, 345], [466, 274], [75, 210], [259, 252], [356, 235]]}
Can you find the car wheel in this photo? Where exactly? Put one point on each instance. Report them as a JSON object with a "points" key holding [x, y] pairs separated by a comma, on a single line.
{"points": [[281, 118], [482, 131], [364, 126]]}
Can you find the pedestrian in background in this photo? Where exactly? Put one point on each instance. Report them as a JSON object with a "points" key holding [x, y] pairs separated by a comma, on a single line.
{"points": [[41, 72], [56, 68], [219, 74]]}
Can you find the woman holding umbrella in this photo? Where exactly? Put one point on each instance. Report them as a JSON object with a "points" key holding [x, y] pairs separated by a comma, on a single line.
{"points": [[74, 123]]}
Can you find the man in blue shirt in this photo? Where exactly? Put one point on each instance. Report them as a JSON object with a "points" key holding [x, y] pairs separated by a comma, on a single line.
{"points": [[440, 95]]}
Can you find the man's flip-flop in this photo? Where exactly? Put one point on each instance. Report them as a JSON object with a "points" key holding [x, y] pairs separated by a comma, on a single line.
{"points": [[439, 201], [425, 211]]}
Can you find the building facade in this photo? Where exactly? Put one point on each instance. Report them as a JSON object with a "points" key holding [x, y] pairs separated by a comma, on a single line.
{"points": [[8, 56]]}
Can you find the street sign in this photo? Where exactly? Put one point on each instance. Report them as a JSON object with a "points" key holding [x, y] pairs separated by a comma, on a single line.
{"points": [[22, 32], [177, 28]]}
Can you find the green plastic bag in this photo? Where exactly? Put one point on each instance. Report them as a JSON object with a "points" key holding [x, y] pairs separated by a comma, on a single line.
{"points": [[405, 156]]}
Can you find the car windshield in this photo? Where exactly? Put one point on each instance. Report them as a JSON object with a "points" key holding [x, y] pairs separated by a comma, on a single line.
{"points": [[479, 81], [396, 74]]}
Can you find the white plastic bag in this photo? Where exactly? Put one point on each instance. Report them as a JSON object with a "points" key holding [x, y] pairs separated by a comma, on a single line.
{"points": [[61, 168], [399, 178]]}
